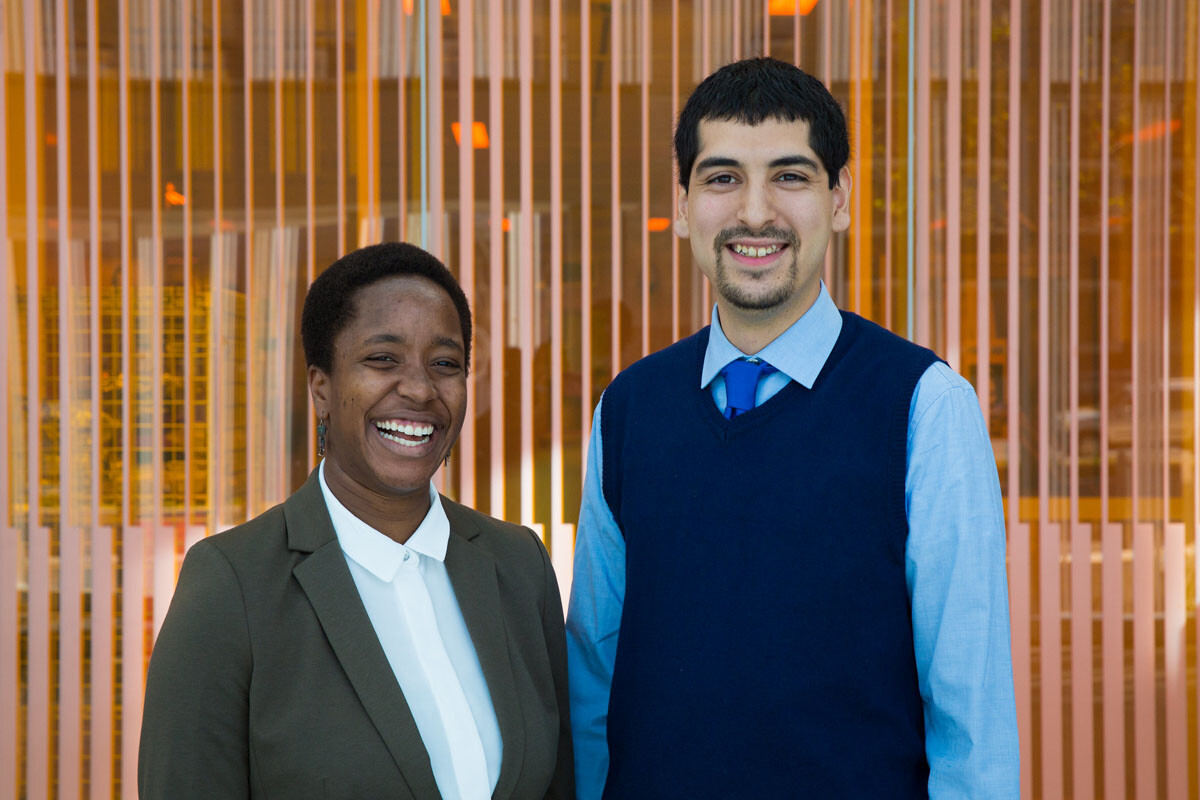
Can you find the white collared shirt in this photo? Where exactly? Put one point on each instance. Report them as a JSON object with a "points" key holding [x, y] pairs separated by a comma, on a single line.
{"points": [[415, 614]]}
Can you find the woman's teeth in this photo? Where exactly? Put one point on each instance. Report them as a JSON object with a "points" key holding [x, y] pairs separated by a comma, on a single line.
{"points": [[390, 428], [756, 252]]}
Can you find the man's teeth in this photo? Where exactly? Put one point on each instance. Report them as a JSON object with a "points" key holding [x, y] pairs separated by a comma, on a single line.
{"points": [[755, 252]]}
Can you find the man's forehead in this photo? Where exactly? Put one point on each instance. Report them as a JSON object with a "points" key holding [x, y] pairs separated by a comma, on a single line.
{"points": [[771, 137]]}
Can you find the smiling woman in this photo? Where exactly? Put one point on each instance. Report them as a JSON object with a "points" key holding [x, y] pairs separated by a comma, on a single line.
{"points": [[368, 638]]}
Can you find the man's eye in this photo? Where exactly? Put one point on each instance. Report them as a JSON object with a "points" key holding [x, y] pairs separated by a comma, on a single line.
{"points": [[793, 177], [721, 179]]}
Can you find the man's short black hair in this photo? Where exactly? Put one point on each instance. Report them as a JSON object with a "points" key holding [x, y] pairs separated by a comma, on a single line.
{"points": [[758, 89], [329, 305]]}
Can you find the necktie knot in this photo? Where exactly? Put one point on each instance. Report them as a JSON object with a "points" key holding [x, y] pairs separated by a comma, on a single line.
{"points": [[741, 384]]}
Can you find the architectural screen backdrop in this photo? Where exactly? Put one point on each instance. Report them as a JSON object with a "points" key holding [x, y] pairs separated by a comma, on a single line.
{"points": [[173, 174]]}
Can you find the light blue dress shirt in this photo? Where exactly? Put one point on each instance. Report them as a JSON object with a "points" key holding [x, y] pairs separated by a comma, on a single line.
{"points": [[954, 567]]}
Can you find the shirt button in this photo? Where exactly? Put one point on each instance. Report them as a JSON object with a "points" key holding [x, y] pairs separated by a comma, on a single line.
{"points": [[407, 555]]}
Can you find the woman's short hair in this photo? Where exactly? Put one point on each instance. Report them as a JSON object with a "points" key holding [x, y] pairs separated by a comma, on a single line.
{"points": [[329, 305]]}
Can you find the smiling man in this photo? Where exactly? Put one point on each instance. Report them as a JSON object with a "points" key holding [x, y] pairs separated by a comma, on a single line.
{"points": [[789, 571]]}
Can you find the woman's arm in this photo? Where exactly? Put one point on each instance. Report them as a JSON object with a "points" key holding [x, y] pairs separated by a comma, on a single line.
{"points": [[195, 723]]}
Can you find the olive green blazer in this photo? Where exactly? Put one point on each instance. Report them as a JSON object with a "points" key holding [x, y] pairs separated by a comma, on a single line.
{"points": [[267, 679]]}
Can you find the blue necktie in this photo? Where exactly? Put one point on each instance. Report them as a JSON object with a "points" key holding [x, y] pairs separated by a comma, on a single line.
{"points": [[741, 382]]}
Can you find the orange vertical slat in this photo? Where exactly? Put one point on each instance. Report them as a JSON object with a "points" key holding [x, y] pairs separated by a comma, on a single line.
{"points": [[924, 197], [339, 49], [70, 544], [559, 541], [1082, 667], [706, 68], [215, 420], [526, 277], [1019, 578], [1195, 358], [983, 213], [310, 194], [827, 77], [37, 720], [437, 192], [954, 128], [280, 459], [368, 81], [585, 218], [888, 94], [614, 154], [674, 183], [401, 123], [645, 174], [466, 229], [496, 251], [1050, 666], [102, 573], [185, 47], [133, 670], [10, 536], [131, 614], [1145, 767], [1175, 658], [1144, 722], [253, 377]]}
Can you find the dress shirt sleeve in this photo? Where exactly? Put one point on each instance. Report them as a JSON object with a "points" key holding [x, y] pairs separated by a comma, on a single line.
{"points": [[594, 619], [195, 725], [957, 585]]}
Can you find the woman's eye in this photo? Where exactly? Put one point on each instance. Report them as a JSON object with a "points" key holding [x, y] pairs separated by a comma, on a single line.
{"points": [[446, 364]]}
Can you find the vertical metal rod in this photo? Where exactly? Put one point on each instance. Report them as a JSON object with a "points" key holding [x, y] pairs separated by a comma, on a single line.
{"points": [[254, 377], [706, 69], [161, 540], [888, 111], [924, 186], [10, 536], [496, 250], [101, 617], [616, 261], [910, 257], [339, 49], [585, 218], [1018, 533], [37, 726], [954, 129], [310, 191], [185, 38], [645, 174], [1195, 346], [557, 477], [466, 226], [402, 154], [1112, 599], [674, 183], [983, 211], [526, 277], [281, 423], [1082, 724], [737, 29], [1049, 533], [435, 162], [1145, 768], [216, 286], [70, 558], [827, 77]]}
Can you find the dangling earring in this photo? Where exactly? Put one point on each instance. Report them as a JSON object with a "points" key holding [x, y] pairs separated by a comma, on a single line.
{"points": [[446, 462], [321, 431]]}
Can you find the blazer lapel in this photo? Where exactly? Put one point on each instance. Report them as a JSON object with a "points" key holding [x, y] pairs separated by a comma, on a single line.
{"points": [[327, 582], [472, 573]]}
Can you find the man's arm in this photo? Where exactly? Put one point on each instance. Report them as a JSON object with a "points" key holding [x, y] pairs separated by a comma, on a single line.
{"points": [[958, 587], [593, 621]]}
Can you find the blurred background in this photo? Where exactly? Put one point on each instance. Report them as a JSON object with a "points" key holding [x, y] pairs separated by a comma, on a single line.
{"points": [[173, 174]]}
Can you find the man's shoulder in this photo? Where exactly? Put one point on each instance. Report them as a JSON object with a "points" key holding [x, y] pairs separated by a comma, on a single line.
{"points": [[677, 356]]}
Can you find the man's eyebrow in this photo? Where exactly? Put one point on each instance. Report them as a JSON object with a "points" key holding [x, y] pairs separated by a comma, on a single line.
{"points": [[718, 161], [796, 161]]}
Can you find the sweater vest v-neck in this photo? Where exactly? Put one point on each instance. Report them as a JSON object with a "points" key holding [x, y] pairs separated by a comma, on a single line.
{"points": [[766, 644]]}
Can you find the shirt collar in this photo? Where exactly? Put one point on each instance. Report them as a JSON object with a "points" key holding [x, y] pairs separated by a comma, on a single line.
{"points": [[799, 352], [375, 551]]}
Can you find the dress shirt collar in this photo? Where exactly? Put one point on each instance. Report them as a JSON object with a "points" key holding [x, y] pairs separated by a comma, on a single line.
{"points": [[799, 352], [375, 551]]}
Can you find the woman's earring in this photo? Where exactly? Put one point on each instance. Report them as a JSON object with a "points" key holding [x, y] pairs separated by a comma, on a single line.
{"points": [[446, 462], [322, 429]]}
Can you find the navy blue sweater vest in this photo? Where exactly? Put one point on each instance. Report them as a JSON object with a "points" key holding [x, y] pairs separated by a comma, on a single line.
{"points": [[766, 642]]}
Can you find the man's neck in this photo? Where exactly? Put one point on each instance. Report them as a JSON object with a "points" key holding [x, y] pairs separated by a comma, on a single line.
{"points": [[750, 330]]}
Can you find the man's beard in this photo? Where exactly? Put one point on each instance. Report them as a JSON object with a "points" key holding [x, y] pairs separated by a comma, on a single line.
{"points": [[743, 298]]}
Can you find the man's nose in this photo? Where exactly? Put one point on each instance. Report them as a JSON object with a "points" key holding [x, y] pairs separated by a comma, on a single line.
{"points": [[756, 209]]}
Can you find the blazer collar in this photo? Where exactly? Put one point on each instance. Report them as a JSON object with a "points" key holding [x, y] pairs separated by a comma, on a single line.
{"points": [[327, 582]]}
